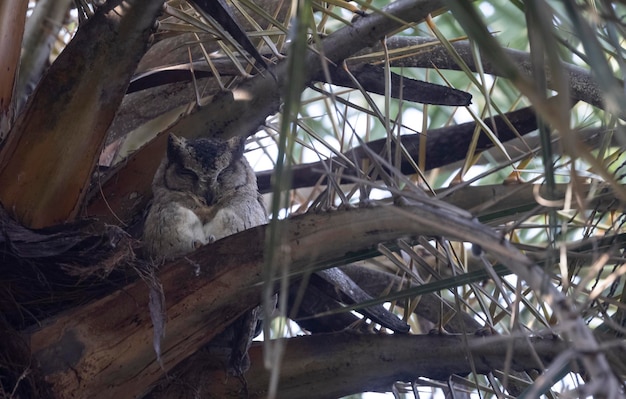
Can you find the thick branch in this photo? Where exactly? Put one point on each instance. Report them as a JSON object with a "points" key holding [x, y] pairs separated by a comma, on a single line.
{"points": [[107, 345], [47, 159], [12, 19], [99, 347], [370, 77], [40, 34], [336, 365]]}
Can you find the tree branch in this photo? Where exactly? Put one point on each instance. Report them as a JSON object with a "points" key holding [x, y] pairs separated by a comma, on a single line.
{"points": [[243, 110], [340, 364], [444, 146], [47, 160], [12, 22], [582, 85], [105, 348]]}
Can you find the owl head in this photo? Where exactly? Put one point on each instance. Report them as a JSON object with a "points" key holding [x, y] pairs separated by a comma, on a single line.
{"points": [[193, 166]]}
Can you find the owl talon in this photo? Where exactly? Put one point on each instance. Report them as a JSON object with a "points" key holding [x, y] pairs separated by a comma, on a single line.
{"points": [[197, 269], [346, 206], [486, 332], [401, 201], [367, 203], [439, 330]]}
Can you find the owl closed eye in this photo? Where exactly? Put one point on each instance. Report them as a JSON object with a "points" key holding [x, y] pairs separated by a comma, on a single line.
{"points": [[193, 166]]}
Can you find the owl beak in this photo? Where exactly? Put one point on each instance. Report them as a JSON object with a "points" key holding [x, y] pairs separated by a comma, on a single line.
{"points": [[208, 198]]}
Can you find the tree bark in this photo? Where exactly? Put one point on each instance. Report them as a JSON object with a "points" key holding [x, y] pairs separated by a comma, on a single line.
{"points": [[12, 21], [40, 35], [105, 349], [48, 157], [340, 364]]}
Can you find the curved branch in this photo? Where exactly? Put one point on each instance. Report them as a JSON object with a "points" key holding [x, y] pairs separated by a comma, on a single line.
{"points": [[582, 85], [105, 348]]}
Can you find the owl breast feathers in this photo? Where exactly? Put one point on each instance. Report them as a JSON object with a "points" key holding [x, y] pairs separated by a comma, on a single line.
{"points": [[204, 190]]}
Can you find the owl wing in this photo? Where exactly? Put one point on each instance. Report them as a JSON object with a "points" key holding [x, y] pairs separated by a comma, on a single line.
{"points": [[173, 230], [244, 214]]}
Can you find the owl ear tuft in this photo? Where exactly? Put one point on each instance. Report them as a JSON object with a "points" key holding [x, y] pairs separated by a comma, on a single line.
{"points": [[175, 148], [237, 145]]}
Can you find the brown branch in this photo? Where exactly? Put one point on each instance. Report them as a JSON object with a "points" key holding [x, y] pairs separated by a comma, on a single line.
{"points": [[582, 85], [12, 21], [105, 348], [370, 77], [47, 160], [444, 146], [340, 364]]}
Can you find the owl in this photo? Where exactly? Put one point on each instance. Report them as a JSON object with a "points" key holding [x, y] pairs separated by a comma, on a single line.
{"points": [[205, 190]]}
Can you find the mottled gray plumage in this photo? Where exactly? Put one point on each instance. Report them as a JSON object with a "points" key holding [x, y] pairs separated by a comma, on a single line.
{"points": [[205, 190]]}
